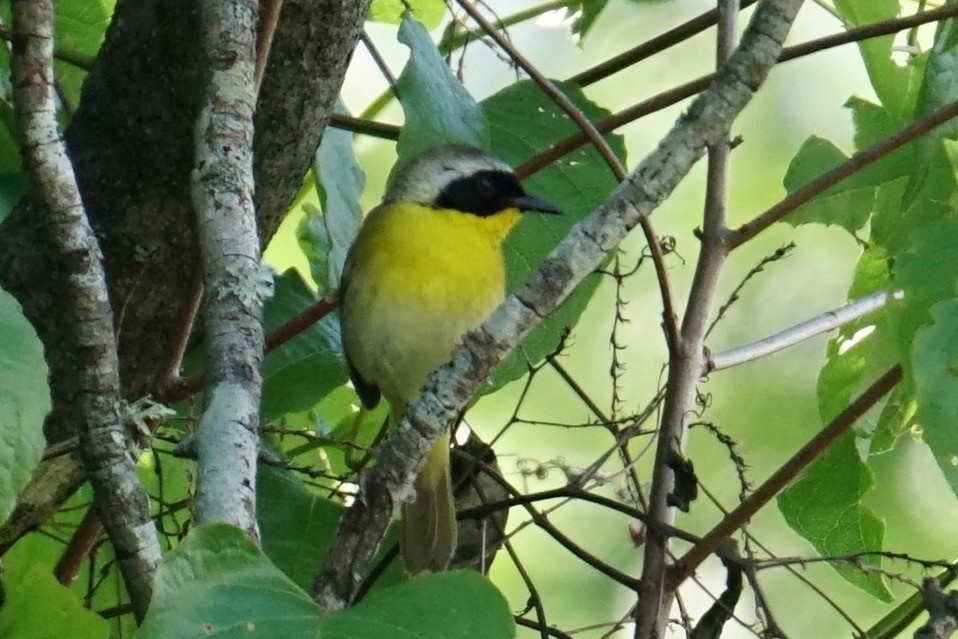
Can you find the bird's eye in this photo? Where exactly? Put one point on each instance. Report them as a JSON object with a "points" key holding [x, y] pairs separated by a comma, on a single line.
{"points": [[486, 187]]}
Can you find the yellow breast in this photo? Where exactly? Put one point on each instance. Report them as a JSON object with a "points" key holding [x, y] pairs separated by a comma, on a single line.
{"points": [[416, 280]]}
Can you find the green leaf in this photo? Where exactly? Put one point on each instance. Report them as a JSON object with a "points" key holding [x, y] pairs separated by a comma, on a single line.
{"points": [[892, 83], [590, 10], [326, 236], [935, 373], [452, 605], [217, 583], [437, 108], [429, 12], [38, 607], [847, 204], [523, 122], [24, 401], [840, 524], [79, 26], [305, 369], [12, 188], [296, 524], [926, 270]]}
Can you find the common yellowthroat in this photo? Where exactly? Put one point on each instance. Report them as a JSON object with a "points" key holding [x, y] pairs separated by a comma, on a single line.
{"points": [[426, 268]]}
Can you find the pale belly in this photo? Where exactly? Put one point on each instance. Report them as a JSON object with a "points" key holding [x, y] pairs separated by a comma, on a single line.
{"points": [[399, 334]]}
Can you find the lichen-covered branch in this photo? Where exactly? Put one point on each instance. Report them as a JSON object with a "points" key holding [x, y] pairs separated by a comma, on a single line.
{"points": [[120, 499], [449, 390], [132, 149], [237, 284]]}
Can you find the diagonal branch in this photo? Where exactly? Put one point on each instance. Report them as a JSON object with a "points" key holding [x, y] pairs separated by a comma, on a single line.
{"points": [[236, 282], [121, 501], [448, 391], [738, 517]]}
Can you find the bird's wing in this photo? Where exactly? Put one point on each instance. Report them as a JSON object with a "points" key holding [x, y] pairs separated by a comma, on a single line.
{"points": [[368, 392]]}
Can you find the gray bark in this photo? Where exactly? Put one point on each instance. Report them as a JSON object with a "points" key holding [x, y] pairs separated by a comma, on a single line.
{"points": [[132, 149], [121, 501]]}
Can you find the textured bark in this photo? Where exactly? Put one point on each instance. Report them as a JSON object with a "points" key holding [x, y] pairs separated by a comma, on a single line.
{"points": [[236, 283], [132, 148], [448, 391], [121, 501]]}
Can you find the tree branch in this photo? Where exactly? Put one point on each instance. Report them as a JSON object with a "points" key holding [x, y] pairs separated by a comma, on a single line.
{"points": [[830, 320], [685, 364], [131, 145], [385, 485], [854, 164], [121, 502], [237, 284]]}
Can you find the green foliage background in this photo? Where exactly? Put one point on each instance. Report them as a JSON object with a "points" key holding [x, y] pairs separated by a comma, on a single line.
{"points": [[891, 225]]}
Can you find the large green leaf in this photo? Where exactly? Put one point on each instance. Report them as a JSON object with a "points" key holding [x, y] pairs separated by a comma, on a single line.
{"points": [[296, 523], [437, 108], [453, 605], [824, 506], [935, 372], [834, 519], [24, 401], [926, 270], [523, 122], [429, 12], [38, 607], [303, 370], [217, 583]]}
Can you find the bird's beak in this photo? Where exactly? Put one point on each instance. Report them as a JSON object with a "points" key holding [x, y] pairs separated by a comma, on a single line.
{"points": [[532, 203]]}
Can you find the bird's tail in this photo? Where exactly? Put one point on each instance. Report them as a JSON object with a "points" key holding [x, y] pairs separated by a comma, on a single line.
{"points": [[428, 537]]}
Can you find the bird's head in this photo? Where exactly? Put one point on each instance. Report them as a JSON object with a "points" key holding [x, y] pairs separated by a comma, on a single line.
{"points": [[462, 178]]}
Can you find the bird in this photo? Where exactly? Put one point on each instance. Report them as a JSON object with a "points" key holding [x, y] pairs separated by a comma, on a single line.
{"points": [[425, 268]]}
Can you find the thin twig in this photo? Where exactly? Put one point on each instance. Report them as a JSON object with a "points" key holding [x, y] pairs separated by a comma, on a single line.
{"points": [[827, 321], [649, 48], [675, 95], [81, 543]]}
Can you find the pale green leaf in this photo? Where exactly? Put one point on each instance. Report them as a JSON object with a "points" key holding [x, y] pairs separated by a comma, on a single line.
{"points": [[437, 108], [218, 584], [326, 235], [429, 12], [847, 204], [24, 401], [892, 83], [926, 269], [38, 607]]}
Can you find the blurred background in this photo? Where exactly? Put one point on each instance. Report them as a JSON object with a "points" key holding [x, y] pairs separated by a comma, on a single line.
{"points": [[768, 407]]}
